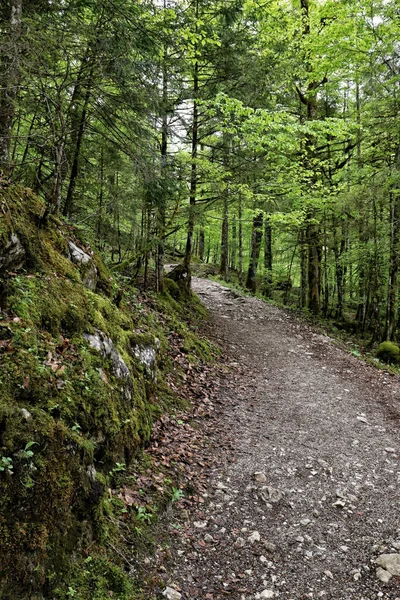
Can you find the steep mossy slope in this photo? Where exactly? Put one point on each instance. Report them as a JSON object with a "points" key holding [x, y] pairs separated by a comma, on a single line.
{"points": [[81, 380]]}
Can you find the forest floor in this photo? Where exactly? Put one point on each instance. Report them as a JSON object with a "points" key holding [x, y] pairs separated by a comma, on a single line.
{"points": [[306, 495]]}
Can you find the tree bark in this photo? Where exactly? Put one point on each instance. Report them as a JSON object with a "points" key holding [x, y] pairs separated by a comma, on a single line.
{"points": [[267, 258], [303, 268], [314, 268], [224, 266], [9, 85], [240, 242], [256, 238], [193, 174], [201, 245], [68, 206]]}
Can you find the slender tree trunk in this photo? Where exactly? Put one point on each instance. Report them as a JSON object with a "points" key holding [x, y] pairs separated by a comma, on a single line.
{"points": [[303, 268], [201, 245], [161, 202], [256, 238], [68, 206], [59, 157], [309, 99], [28, 139], [224, 266], [267, 258], [9, 81], [232, 260], [240, 241], [314, 262], [99, 228], [393, 267], [193, 175]]}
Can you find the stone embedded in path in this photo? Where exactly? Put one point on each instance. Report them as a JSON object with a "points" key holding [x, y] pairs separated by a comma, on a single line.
{"points": [[239, 542], [267, 594], [255, 537], [260, 477], [390, 563], [172, 594], [383, 575]]}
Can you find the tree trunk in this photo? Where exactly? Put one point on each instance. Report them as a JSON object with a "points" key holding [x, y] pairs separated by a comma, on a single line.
{"points": [[99, 227], [314, 268], [232, 258], [201, 245], [161, 201], [303, 268], [9, 85], [256, 238], [394, 266], [267, 258], [240, 242], [193, 175], [224, 266], [68, 206]]}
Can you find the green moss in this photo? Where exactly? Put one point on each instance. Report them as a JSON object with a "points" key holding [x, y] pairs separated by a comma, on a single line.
{"points": [[389, 352], [61, 395], [97, 578]]}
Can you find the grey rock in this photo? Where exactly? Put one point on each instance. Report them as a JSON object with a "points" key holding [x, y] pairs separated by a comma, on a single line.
{"points": [[91, 471], [86, 266], [267, 594], [78, 256], [270, 494], [383, 575], [26, 414], [172, 594], [260, 477], [254, 537], [270, 547], [146, 355], [389, 562], [105, 346], [13, 255]]}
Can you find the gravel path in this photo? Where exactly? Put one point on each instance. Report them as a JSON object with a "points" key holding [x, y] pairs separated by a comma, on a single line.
{"points": [[310, 498]]}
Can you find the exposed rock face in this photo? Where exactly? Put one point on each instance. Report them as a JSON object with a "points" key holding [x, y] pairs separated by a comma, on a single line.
{"points": [[105, 346], [146, 354], [86, 266], [13, 256]]}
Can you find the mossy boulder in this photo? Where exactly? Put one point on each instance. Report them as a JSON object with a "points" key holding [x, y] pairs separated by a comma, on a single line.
{"points": [[389, 353]]}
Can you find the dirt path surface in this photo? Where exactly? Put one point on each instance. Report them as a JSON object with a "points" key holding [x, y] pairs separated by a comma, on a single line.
{"points": [[310, 498]]}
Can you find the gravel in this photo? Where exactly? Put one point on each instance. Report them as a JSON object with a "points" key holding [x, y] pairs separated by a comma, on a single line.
{"points": [[307, 502]]}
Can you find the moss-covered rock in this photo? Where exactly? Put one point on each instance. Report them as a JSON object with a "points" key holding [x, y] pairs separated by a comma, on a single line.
{"points": [[70, 410], [389, 352]]}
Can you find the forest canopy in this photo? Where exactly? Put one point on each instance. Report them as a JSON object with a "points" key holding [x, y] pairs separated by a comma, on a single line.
{"points": [[258, 135]]}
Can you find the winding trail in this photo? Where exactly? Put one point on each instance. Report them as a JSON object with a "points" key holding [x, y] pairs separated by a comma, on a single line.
{"points": [[321, 429]]}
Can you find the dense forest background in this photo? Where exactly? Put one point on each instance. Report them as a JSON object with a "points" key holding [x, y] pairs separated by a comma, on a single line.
{"points": [[258, 135]]}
